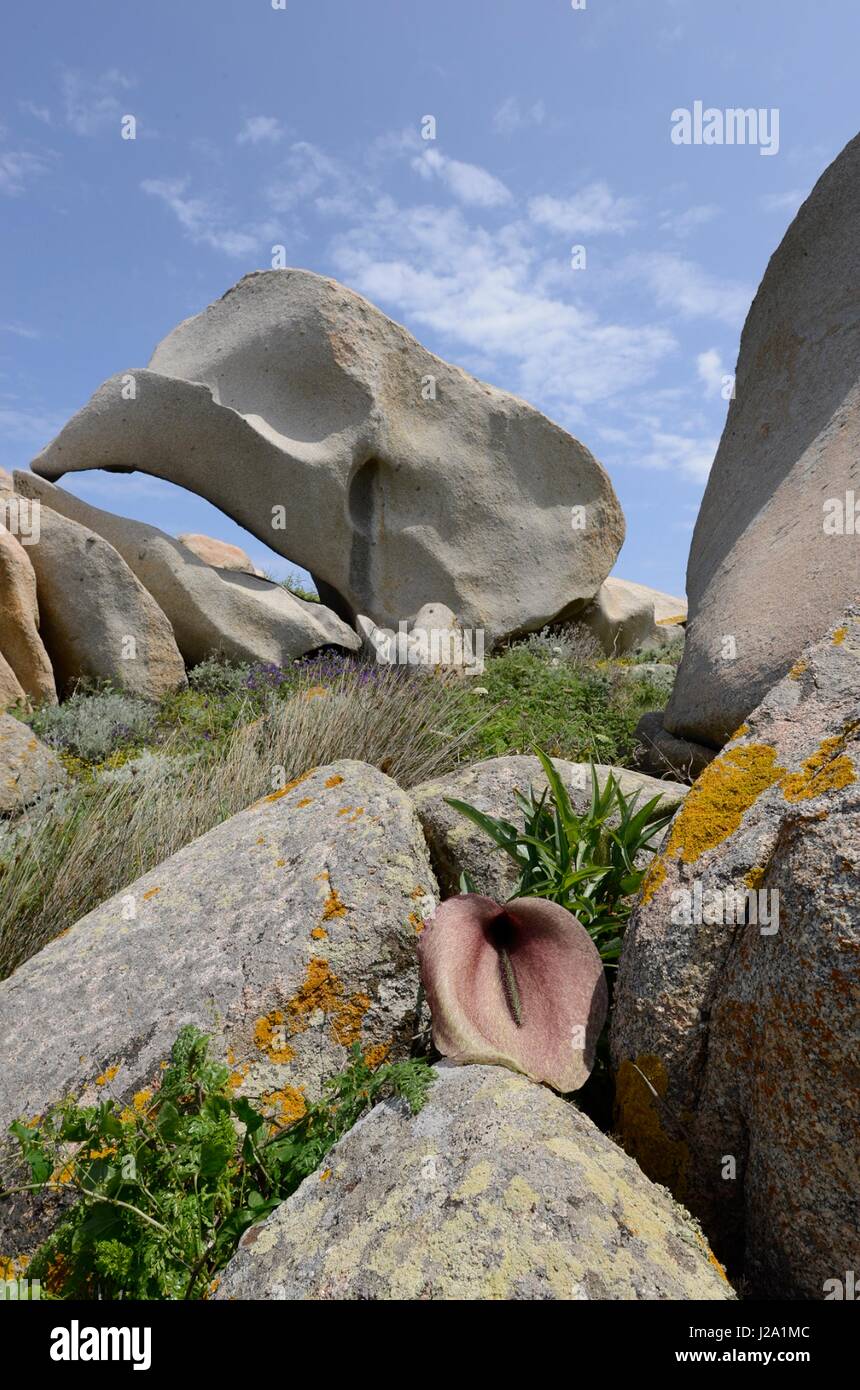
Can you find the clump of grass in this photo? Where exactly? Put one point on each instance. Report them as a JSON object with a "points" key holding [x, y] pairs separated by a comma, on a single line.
{"points": [[103, 833], [93, 724], [572, 645], [165, 1186]]}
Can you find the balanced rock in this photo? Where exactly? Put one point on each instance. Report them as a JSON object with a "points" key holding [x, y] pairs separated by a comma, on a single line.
{"points": [[496, 1190], [775, 556], [624, 616], [221, 554], [457, 845], [28, 768], [326, 430], [97, 619], [286, 934], [20, 642], [737, 1009], [210, 610]]}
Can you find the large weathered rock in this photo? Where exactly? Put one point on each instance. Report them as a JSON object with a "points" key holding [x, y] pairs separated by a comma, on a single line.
{"points": [[325, 429], [496, 1190], [97, 619], [662, 754], [11, 691], [457, 845], [28, 769], [20, 642], [775, 556], [625, 616], [286, 934], [210, 610], [221, 554], [745, 1023]]}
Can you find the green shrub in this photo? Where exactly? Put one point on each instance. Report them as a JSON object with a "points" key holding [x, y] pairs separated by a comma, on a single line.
{"points": [[590, 863], [94, 724], [166, 1186]]}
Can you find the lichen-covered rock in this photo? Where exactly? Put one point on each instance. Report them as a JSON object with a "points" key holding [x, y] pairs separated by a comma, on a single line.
{"points": [[395, 478], [496, 1190], [210, 610], [737, 1009], [286, 934], [774, 556], [457, 845], [28, 769], [625, 616]]}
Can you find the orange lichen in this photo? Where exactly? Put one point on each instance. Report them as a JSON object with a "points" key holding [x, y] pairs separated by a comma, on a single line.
{"points": [[798, 669], [663, 1159], [828, 769], [150, 893], [305, 801], [416, 921], [839, 636], [654, 878], [325, 1175], [270, 1037], [334, 906], [755, 877], [279, 863], [333, 781], [319, 933], [718, 801], [287, 1104], [376, 1055], [418, 892], [739, 732], [322, 991], [291, 786]]}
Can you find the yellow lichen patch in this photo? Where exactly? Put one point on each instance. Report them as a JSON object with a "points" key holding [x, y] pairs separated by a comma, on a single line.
{"points": [[291, 786], [755, 877], [417, 892], [718, 801], [739, 732], [376, 1055], [319, 933], [827, 770], [261, 840], [417, 922], [839, 636], [150, 893], [270, 1037], [107, 1076], [238, 1076], [798, 669], [476, 1181], [345, 810], [305, 801], [280, 863], [323, 875], [287, 1104], [325, 1175], [653, 879], [519, 1197], [333, 781], [334, 906], [323, 991], [663, 1159], [712, 1259], [676, 618]]}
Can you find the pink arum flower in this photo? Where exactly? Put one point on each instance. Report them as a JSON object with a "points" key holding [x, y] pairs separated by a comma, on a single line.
{"points": [[520, 986]]}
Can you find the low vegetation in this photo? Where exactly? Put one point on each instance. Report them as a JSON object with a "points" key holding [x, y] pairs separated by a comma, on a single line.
{"points": [[164, 1187]]}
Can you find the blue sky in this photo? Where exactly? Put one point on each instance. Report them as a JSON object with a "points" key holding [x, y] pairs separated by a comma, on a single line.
{"points": [[302, 127]]}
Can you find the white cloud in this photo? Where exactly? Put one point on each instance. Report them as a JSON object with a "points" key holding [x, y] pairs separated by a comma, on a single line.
{"points": [[783, 202], [681, 224], [686, 288], [592, 210], [17, 168], [510, 116], [40, 113], [480, 291], [261, 129], [469, 183], [32, 427], [20, 330], [710, 370], [93, 104], [692, 457], [204, 221], [308, 175]]}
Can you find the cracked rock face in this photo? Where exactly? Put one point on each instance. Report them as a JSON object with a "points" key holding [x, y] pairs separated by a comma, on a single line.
{"points": [[324, 428], [735, 1030], [286, 934], [774, 557], [497, 1189]]}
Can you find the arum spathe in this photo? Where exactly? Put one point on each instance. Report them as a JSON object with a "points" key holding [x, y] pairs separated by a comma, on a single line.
{"points": [[519, 985]]}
